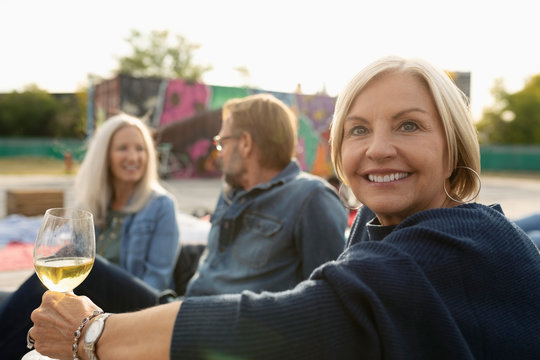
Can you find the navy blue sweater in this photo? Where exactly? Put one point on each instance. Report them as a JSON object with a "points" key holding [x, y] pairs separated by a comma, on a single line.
{"points": [[458, 283]]}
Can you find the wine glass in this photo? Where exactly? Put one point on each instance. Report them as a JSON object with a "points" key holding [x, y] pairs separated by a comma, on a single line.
{"points": [[64, 252]]}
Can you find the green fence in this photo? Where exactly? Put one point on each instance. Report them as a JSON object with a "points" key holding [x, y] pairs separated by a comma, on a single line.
{"points": [[43, 147], [510, 158]]}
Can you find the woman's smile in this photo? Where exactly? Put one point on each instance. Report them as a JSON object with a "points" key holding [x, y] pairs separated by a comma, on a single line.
{"points": [[394, 149], [392, 177], [127, 155]]}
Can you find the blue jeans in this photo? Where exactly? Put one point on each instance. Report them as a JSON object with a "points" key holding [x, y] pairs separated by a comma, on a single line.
{"points": [[531, 225], [108, 286]]}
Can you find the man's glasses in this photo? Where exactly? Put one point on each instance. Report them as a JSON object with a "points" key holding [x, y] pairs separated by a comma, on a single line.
{"points": [[218, 140]]}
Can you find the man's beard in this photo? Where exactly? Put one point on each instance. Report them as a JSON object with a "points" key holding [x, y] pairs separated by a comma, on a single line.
{"points": [[235, 170], [232, 181]]}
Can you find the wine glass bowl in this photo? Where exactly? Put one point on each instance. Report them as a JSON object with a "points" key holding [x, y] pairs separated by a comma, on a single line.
{"points": [[65, 248], [64, 253]]}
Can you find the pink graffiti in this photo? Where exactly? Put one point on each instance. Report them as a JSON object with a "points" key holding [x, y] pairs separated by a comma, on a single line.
{"points": [[183, 100], [199, 149]]}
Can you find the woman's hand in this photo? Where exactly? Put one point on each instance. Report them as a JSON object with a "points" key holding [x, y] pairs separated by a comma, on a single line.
{"points": [[59, 315], [55, 322]]}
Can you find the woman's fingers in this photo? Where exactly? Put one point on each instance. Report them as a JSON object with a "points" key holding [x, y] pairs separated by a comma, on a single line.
{"points": [[29, 339], [56, 320]]}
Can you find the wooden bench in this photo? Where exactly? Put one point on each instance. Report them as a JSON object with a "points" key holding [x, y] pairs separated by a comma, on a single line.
{"points": [[33, 202]]}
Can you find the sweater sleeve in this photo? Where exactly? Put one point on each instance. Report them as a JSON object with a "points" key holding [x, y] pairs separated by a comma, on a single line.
{"points": [[307, 322], [432, 289], [372, 304]]}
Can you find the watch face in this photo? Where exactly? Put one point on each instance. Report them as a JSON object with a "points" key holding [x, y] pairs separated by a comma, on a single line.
{"points": [[93, 331]]}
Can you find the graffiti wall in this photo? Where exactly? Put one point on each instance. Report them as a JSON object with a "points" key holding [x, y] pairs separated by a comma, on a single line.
{"points": [[186, 116]]}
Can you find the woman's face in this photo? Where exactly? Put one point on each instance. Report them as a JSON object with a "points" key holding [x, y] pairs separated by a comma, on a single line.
{"points": [[394, 149], [127, 155]]}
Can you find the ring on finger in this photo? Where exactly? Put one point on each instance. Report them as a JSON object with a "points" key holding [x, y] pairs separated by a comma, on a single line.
{"points": [[29, 341]]}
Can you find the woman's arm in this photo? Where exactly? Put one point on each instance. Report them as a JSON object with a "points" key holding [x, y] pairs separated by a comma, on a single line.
{"points": [[153, 244], [163, 247], [140, 335], [144, 334]]}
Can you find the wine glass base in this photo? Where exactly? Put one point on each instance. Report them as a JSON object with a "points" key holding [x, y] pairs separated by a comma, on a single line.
{"points": [[34, 355]]}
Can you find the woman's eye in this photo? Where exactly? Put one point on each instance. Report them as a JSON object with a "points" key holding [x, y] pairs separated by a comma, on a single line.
{"points": [[358, 130], [409, 126]]}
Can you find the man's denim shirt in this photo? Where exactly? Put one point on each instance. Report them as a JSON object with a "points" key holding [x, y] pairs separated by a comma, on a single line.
{"points": [[272, 236]]}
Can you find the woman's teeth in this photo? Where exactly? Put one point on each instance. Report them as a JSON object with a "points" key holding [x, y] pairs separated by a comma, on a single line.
{"points": [[386, 178]]}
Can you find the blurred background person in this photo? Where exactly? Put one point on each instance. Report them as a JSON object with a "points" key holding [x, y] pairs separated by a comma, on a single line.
{"points": [[273, 223], [135, 217]]}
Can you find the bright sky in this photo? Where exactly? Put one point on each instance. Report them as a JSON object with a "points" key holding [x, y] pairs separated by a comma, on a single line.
{"points": [[56, 44]]}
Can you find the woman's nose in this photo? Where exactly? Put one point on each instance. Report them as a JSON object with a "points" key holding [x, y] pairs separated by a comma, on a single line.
{"points": [[380, 146], [132, 154]]}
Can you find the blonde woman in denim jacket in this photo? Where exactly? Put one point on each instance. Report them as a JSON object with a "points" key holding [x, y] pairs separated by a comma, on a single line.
{"points": [[135, 217]]}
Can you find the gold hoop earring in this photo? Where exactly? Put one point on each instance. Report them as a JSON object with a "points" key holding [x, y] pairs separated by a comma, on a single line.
{"points": [[347, 197], [477, 193]]}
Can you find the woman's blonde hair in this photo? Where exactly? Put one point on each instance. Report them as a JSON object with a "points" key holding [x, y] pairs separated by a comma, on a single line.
{"points": [[271, 123], [93, 182], [453, 109]]}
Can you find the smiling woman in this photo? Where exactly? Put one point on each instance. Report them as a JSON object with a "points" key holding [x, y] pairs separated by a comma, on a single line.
{"points": [[136, 224], [135, 217], [128, 158], [393, 126]]}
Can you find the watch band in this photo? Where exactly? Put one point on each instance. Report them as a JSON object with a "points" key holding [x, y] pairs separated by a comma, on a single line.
{"points": [[90, 346]]}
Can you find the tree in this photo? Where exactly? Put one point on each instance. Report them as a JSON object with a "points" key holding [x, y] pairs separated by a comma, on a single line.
{"points": [[514, 118], [70, 116], [36, 113], [153, 56], [28, 113]]}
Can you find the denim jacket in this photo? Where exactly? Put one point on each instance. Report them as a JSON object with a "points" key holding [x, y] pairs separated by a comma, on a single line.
{"points": [[150, 242], [272, 236]]}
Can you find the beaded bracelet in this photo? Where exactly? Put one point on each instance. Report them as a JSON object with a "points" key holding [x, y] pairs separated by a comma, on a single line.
{"points": [[77, 333]]}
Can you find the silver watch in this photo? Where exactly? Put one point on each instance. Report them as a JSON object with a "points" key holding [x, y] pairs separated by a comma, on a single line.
{"points": [[92, 335]]}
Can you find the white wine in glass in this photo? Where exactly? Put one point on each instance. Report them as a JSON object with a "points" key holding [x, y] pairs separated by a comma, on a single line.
{"points": [[65, 248], [64, 251]]}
